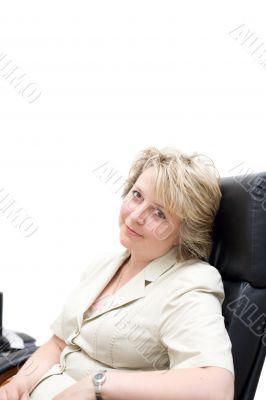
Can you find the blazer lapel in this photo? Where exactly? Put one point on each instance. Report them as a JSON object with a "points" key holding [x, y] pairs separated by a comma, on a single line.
{"points": [[134, 289], [96, 282]]}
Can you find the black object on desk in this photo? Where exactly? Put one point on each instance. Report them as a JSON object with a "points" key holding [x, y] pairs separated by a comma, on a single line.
{"points": [[10, 356]]}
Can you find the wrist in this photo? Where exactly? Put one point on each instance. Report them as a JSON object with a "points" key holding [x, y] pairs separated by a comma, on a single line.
{"points": [[24, 379], [98, 380], [18, 378]]}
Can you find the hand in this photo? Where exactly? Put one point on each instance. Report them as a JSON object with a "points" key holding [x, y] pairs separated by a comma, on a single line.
{"points": [[15, 389], [82, 390]]}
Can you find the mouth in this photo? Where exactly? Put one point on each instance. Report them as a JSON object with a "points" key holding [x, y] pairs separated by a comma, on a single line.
{"points": [[132, 232]]}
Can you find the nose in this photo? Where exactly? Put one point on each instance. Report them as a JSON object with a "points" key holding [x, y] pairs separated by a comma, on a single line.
{"points": [[140, 213]]}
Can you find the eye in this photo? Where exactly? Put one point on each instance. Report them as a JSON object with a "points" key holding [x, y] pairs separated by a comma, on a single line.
{"points": [[160, 214], [136, 194]]}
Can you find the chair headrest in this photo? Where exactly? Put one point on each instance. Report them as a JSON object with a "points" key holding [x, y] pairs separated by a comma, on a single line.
{"points": [[239, 235]]}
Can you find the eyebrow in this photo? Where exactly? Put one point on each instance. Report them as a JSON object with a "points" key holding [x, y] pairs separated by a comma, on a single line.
{"points": [[157, 204]]}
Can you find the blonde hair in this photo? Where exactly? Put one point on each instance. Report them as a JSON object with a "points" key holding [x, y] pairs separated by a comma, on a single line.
{"points": [[187, 186]]}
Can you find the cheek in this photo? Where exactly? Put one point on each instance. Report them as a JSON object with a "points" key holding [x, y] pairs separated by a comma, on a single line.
{"points": [[123, 213], [163, 232]]}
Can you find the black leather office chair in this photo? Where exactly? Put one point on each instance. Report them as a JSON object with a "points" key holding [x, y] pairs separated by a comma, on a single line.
{"points": [[239, 252]]}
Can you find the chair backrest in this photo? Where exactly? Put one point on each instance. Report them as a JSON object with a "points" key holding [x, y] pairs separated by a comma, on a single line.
{"points": [[239, 252], [1, 312]]}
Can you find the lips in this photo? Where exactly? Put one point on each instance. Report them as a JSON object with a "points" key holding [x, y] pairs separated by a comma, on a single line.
{"points": [[132, 231]]}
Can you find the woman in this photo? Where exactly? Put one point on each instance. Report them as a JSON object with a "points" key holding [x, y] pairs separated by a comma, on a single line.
{"points": [[146, 323]]}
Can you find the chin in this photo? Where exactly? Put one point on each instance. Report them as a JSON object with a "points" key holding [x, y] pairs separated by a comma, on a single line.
{"points": [[126, 246], [123, 240]]}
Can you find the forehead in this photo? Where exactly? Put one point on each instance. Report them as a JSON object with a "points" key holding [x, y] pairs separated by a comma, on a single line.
{"points": [[148, 174], [147, 180]]}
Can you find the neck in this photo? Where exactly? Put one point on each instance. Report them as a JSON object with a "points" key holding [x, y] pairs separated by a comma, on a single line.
{"points": [[136, 263]]}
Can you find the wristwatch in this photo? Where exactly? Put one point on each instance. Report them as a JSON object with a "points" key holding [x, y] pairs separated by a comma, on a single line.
{"points": [[98, 379]]}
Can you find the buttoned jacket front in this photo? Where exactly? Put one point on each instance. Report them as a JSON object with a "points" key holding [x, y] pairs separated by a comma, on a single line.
{"points": [[167, 316]]}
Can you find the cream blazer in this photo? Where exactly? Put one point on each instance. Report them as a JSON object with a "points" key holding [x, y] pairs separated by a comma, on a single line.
{"points": [[167, 316]]}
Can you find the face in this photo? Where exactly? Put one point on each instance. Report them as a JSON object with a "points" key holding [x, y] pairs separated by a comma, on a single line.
{"points": [[145, 226]]}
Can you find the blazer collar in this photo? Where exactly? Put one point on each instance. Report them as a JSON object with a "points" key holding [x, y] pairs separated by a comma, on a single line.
{"points": [[160, 265], [134, 289]]}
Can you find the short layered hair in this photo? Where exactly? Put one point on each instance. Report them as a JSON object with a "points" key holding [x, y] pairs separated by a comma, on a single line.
{"points": [[187, 186]]}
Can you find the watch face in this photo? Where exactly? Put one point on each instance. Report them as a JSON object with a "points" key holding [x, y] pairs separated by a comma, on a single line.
{"points": [[99, 377]]}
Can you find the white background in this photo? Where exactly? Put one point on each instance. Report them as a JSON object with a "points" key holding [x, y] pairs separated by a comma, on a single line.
{"points": [[115, 77]]}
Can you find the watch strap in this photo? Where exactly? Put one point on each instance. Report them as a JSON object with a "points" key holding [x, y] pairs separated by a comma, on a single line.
{"points": [[98, 382]]}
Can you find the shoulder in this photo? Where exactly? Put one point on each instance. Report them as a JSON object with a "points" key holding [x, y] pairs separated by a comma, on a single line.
{"points": [[97, 263], [195, 275], [201, 271]]}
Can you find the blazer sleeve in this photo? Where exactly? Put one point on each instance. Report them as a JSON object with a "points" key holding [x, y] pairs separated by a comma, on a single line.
{"points": [[192, 325]]}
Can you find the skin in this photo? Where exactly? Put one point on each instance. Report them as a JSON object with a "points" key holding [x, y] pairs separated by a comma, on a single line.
{"points": [[157, 229]]}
